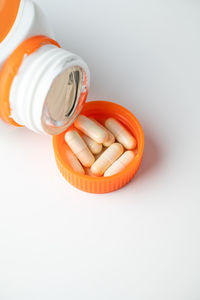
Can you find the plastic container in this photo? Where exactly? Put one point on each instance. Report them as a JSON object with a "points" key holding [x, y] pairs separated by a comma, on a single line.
{"points": [[44, 88]]}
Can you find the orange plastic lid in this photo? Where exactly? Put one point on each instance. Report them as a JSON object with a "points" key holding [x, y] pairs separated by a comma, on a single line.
{"points": [[101, 110], [8, 14]]}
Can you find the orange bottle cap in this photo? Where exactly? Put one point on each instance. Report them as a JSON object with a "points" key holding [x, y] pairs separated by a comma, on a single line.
{"points": [[101, 110]]}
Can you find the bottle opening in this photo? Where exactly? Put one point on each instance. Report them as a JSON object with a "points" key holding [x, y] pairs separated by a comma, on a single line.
{"points": [[64, 100]]}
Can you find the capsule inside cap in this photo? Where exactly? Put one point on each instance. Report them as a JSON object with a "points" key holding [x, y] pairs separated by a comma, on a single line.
{"points": [[120, 164], [91, 129], [107, 159], [121, 134], [79, 148]]}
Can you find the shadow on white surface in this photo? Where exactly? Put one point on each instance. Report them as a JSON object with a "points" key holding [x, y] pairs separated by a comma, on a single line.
{"points": [[152, 157]]}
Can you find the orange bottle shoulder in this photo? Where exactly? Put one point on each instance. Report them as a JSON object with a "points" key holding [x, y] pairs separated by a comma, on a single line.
{"points": [[8, 14]]}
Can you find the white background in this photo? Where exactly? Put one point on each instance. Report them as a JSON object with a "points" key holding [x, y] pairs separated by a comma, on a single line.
{"points": [[143, 241]]}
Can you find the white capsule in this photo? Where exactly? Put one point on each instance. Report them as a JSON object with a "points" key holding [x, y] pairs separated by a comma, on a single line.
{"points": [[110, 139], [94, 147], [99, 154], [108, 157], [89, 172], [79, 148], [121, 134], [91, 129], [120, 164], [74, 162]]}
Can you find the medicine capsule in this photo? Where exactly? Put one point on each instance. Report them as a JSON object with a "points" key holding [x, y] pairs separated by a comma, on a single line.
{"points": [[91, 129], [110, 139], [79, 148], [121, 134], [74, 162], [89, 172], [94, 147], [99, 154], [108, 157], [120, 164]]}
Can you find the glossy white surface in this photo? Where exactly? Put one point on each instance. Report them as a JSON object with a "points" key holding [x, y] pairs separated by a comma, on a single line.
{"points": [[142, 242]]}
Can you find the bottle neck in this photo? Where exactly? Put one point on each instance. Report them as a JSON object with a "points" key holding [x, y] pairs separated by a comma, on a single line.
{"points": [[49, 90]]}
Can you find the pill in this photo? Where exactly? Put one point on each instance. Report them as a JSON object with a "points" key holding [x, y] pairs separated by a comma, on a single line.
{"points": [[89, 172], [99, 154], [120, 164], [109, 156], [91, 129], [110, 139], [79, 148], [74, 162], [94, 147], [121, 134]]}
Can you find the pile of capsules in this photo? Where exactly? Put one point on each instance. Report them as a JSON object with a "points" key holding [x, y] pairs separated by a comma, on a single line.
{"points": [[94, 151]]}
